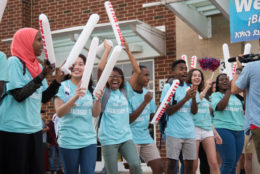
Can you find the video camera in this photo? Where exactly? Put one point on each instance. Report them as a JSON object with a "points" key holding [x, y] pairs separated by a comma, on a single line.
{"points": [[245, 58]]}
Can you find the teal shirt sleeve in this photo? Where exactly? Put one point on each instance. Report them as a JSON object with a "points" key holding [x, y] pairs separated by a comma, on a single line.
{"points": [[15, 74], [3, 68], [61, 93], [215, 99]]}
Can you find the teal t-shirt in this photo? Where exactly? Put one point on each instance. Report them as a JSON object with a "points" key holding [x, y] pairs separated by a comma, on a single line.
{"points": [[180, 124], [25, 116], [139, 127], [203, 118], [231, 117], [3, 71], [3, 67], [114, 126], [76, 128]]}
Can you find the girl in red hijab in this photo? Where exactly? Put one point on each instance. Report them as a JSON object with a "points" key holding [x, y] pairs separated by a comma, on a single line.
{"points": [[21, 148]]}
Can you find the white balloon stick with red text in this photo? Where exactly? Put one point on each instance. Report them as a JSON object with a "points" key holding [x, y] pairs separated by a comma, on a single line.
{"points": [[193, 63], [165, 102], [90, 63], [226, 54], [108, 69], [2, 8], [81, 41], [113, 20], [47, 39], [184, 57], [101, 47]]}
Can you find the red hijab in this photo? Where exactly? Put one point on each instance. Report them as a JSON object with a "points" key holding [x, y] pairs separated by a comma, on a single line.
{"points": [[22, 47]]}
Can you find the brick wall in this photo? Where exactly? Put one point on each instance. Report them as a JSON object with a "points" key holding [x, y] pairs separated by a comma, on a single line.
{"points": [[69, 13]]}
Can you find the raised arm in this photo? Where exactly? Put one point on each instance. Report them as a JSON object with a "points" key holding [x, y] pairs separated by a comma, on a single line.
{"points": [[103, 61], [135, 66], [135, 114]]}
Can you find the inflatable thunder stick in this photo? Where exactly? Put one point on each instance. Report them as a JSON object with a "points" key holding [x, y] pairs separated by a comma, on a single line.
{"points": [[193, 62], [90, 63], [2, 8], [108, 69], [226, 54], [47, 39], [83, 38], [165, 101], [184, 57], [112, 18]]}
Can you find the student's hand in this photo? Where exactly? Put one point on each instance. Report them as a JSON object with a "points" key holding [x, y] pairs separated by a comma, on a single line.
{"points": [[148, 97], [80, 92], [194, 91], [59, 75], [239, 64], [189, 94], [48, 68], [98, 95], [126, 47], [106, 45], [218, 139]]}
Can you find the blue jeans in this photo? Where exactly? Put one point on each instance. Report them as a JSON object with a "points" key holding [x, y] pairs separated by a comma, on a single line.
{"points": [[55, 153], [85, 158], [230, 150]]}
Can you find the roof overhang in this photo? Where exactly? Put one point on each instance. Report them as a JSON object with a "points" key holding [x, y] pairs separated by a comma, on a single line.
{"points": [[196, 13], [144, 40]]}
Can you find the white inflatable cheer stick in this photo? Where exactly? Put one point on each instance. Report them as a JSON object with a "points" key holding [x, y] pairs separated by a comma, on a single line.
{"points": [[228, 70], [83, 38], [2, 8], [165, 101], [112, 18], [193, 62], [47, 39], [108, 69], [90, 63], [184, 57]]}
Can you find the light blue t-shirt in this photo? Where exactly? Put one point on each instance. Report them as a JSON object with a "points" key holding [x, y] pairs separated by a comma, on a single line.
{"points": [[203, 118], [3, 71], [25, 116], [76, 129], [3, 67], [114, 126], [231, 117], [139, 127], [249, 79], [180, 124]]}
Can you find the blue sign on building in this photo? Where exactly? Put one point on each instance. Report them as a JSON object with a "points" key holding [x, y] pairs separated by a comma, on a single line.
{"points": [[244, 20]]}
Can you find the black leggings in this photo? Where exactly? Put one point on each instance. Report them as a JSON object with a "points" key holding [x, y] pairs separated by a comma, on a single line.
{"points": [[21, 153]]}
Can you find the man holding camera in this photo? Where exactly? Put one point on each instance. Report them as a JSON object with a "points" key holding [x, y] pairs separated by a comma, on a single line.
{"points": [[249, 80]]}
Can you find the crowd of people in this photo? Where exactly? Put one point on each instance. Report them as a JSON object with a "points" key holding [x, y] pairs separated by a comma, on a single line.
{"points": [[201, 113]]}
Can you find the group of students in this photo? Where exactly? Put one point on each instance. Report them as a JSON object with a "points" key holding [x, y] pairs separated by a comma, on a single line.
{"points": [[195, 115], [124, 110]]}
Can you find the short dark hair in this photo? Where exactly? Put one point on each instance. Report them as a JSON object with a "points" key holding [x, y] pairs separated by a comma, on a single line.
{"points": [[201, 85], [142, 67], [175, 63], [122, 85]]}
